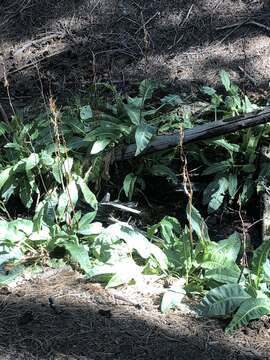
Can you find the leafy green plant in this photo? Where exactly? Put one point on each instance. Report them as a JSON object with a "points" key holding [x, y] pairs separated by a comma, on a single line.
{"points": [[53, 162], [208, 267], [246, 297], [236, 156]]}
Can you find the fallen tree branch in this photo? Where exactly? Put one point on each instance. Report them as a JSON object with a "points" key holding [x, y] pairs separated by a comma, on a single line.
{"points": [[41, 40], [198, 133], [244, 23]]}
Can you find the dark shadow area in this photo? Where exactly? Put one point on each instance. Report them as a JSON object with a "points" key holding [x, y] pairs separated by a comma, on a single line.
{"points": [[85, 322], [63, 46]]}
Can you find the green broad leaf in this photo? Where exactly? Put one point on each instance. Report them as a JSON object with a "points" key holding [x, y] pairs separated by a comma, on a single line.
{"points": [[197, 223], [4, 176], [99, 145], [214, 168], [31, 162], [14, 146], [38, 217], [86, 112], [232, 185], [76, 218], [136, 241], [186, 250], [10, 232], [129, 184], [115, 273], [63, 203], [223, 253], [12, 275], [165, 171], [143, 135], [3, 128], [89, 197], [147, 88], [134, 113], [173, 100], [46, 159], [248, 190], [75, 143], [207, 90], [57, 171], [224, 275], [159, 256], [223, 300], [46, 211], [170, 228], [230, 247], [226, 145], [79, 254], [266, 270], [216, 101], [68, 198], [225, 79], [25, 192], [87, 219], [173, 297], [234, 91], [250, 309], [24, 225], [260, 256], [42, 235], [72, 192], [214, 193], [90, 229], [9, 188], [9, 254], [247, 105], [136, 102], [122, 276], [101, 269], [108, 130], [67, 167]]}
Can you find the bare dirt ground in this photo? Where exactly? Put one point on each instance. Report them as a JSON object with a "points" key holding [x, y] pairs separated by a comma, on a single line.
{"points": [[85, 321], [65, 45], [60, 48]]}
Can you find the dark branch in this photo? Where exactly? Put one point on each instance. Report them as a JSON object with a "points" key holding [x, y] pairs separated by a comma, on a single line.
{"points": [[198, 133]]}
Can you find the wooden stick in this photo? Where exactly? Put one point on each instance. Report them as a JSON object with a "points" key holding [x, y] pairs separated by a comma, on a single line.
{"points": [[198, 133]]}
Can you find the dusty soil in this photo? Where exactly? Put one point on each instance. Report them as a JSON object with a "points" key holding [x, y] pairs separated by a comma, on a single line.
{"points": [[61, 46], [85, 321]]}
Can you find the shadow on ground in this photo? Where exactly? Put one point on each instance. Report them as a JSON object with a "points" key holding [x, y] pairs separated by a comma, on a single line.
{"points": [[67, 45], [87, 325]]}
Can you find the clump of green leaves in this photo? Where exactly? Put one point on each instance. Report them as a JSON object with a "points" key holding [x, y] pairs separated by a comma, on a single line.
{"points": [[210, 268], [42, 164], [235, 164], [52, 163]]}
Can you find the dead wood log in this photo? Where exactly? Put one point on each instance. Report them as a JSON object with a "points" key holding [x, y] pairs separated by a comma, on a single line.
{"points": [[198, 133]]}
